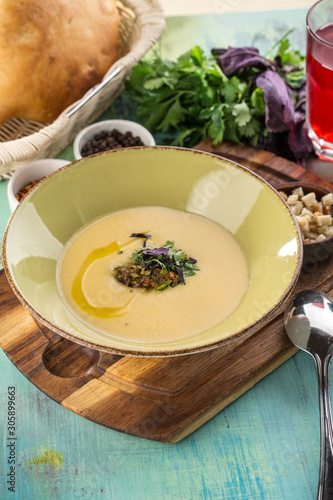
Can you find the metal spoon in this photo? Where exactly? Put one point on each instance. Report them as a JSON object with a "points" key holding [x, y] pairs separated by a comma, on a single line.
{"points": [[309, 324]]}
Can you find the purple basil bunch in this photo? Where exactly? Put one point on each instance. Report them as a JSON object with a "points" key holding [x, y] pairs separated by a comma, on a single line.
{"points": [[284, 103]]}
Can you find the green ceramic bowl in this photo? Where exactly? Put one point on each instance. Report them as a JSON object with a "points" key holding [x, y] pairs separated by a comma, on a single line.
{"points": [[185, 179]]}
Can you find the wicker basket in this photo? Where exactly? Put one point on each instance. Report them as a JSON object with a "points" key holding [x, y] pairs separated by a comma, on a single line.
{"points": [[142, 23]]}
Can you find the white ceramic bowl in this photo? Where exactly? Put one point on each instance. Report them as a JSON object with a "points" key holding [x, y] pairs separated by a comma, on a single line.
{"points": [[33, 171], [122, 125]]}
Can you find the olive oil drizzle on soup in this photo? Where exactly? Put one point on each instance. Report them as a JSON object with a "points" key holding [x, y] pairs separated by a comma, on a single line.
{"points": [[90, 289]]}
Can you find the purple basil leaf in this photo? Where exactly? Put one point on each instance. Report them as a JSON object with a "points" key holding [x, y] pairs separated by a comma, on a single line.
{"points": [[302, 92], [301, 99], [278, 99], [155, 251], [193, 261], [180, 274], [141, 235], [278, 144], [234, 59], [289, 68], [151, 264], [298, 139], [167, 261]]}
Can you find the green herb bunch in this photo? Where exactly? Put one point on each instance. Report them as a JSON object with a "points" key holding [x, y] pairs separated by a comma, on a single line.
{"points": [[193, 96], [192, 99]]}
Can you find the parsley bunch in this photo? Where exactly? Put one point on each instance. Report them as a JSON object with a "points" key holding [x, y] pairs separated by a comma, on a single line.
{"points": [[235, 94], [193, 96]]}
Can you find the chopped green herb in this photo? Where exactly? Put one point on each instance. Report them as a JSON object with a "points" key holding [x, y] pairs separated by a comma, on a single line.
{"points": [[169, 244], [189, 273]]}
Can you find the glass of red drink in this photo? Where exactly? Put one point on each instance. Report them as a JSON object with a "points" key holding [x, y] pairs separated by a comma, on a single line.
{"points": [[319, 69]]}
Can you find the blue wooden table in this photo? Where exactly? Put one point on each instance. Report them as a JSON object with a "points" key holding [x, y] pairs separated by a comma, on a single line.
{"points": [[265, 445]]}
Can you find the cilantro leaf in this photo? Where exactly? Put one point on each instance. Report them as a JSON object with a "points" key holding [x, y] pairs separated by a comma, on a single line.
{"points": [[169, 244], [251, 128], [288, 55], [241, 113], [230, 89]]}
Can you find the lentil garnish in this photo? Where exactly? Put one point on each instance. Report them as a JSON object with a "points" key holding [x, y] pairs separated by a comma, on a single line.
{"points": [[107, 140], [135, 276]]}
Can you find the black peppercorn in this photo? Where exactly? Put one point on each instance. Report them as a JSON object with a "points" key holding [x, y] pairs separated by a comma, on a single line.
{"points": [[107, 140]]}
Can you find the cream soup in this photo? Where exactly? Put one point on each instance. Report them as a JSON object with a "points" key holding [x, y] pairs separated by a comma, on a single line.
{"points": [[88, 285]]}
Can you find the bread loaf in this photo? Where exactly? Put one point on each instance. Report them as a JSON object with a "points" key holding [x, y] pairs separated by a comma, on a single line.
{"points": [[52, 52]]}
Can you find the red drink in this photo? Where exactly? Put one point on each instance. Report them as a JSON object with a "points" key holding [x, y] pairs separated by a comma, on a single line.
{"points": [[319, 69], [320, 83]]}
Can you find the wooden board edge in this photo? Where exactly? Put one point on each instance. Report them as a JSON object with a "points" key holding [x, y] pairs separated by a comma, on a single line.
{"points": [[247, 153], [215, 409]]}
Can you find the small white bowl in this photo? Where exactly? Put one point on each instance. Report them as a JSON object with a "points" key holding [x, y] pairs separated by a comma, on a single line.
{"points": [[33, 171], [122, 125]]}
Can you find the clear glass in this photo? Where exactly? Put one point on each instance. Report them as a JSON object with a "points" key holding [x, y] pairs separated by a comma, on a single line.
{"points": [[319, 70]]}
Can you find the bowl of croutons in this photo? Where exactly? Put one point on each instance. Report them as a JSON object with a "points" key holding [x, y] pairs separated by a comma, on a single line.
{"points": [[312, 206]]}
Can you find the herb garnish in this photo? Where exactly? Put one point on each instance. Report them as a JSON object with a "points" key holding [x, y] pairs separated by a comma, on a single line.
{"points": [[157, 268], [235, 94]]}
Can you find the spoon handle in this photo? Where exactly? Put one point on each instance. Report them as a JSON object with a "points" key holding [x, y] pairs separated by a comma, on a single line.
{"points": [[325, 486]]}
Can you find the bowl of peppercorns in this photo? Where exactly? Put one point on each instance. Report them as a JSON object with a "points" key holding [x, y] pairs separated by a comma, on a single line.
{"points": [[108, 135]]}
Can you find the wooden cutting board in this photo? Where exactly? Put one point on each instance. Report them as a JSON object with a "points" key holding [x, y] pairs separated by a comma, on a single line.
{"points": [[163, 399]]}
